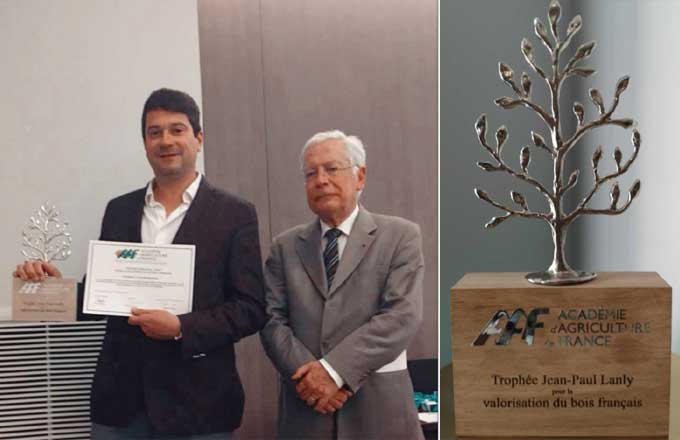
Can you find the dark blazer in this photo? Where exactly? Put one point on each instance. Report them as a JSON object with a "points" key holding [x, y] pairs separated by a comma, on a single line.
{"points": [[189, 386]]}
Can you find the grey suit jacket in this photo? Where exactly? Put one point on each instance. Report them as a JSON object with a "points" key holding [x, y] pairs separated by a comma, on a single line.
{"points": [[364, 321]]}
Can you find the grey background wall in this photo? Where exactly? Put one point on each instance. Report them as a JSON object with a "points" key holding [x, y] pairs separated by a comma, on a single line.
{"points": [[639, 39], [274, 73], [73, 82]]}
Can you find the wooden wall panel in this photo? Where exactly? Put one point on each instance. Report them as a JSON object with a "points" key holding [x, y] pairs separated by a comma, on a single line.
{"points": [[233, 101], [235, 160]]}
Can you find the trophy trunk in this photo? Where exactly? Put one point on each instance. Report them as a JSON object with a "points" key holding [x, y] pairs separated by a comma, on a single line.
{"points": [[559, 272]]}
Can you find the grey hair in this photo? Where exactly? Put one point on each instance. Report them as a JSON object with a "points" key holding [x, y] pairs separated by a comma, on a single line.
{"points": [[355, 148]]}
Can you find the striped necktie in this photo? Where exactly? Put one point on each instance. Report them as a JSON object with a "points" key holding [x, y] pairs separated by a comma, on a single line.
{"points": [[330, 254]]}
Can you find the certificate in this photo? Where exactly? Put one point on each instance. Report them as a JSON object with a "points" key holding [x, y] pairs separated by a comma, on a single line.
{"points": [[125, 275]]}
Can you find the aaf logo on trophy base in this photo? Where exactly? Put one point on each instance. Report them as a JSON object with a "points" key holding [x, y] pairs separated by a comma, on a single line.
{"points": [[30, 287], [512, 326]]}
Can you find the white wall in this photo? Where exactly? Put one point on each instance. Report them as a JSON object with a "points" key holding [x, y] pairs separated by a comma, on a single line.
{"points": [[640, 39], [74, 77]]}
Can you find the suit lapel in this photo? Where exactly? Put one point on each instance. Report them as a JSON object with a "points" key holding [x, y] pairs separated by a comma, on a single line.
{"points": [[186, 234], [308, 248], [358, 243]]}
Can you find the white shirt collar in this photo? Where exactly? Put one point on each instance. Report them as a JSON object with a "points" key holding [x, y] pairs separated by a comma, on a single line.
{"points": [[345, 226], [187, 196]]}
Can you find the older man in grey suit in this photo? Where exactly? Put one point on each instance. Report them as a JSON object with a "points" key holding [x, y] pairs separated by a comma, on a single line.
{"points": [[344, 296]]}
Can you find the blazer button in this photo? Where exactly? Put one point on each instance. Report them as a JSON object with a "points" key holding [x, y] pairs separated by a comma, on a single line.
{"points": [[324, 345]]}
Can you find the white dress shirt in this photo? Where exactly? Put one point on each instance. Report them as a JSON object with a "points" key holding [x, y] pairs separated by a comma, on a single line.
{"points": [[159, 228]]}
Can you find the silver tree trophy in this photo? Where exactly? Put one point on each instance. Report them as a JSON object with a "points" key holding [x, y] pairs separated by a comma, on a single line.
{"points": [[46, 237], [559, 147]]}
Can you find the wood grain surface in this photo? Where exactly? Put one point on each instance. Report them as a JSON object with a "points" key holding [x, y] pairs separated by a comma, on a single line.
{"points": [[447, 421], [561, 385]]}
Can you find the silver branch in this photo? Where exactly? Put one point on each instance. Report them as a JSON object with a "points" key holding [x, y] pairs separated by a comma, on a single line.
{"points": [[46, 237], [559, 147]]}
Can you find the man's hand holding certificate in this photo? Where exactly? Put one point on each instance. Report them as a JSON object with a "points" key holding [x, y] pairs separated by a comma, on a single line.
{"points": [[156, 324], [123, 276]]}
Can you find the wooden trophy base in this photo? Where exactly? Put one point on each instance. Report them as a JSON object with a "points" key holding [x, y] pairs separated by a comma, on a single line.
{"points": [[579, 361], [53, 299]]}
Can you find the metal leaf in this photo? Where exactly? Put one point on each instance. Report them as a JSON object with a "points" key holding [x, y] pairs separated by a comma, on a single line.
{"points": [[486, 166], [554, 12], [614, 194], [538, 140], [482, 195], [584, 50], [526, 84], [635, 189], [573, 178], [574, 26], [519, 199], [621, 85], [480, 127], [636, 139], [524, 158], [579, 112], [542, 33], [596, 97], [583, 71], [597, 155], [505, 72], [625, 123], [528, 50], [507, 103], [495, 221], [617, 158], [501, 136]]}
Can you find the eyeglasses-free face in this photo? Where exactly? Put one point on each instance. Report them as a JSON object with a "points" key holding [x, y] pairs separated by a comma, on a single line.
{"points": [[170, 143]]}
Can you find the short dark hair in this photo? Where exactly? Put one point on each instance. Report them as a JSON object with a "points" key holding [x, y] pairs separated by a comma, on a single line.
{"points": [[173, 101]]}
